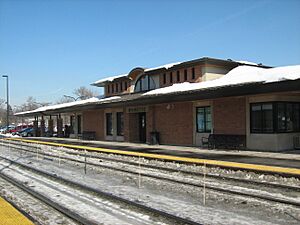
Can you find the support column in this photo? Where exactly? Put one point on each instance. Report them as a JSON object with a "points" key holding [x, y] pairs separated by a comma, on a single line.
{"points": [[50, 126], [59, 126], [35, 126], [42, 127]]}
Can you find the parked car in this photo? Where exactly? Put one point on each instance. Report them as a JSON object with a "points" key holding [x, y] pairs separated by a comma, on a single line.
{"points": [[19, 128], [27, 132], [6, 129]]}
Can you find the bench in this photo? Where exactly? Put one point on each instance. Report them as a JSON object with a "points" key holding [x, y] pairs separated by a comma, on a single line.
{"points": [[88, 135], [227, 141]]}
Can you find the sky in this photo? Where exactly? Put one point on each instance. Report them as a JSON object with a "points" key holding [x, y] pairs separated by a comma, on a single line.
{"points": [[50, 47]]}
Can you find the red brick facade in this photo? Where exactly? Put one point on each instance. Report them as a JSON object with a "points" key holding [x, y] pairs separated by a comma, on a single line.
{"points": [[229, 116], [182, 77], [94, 121], [174, 122]]}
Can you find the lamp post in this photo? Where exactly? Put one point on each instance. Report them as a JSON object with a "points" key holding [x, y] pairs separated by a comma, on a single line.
{"points": [[7, 101]]}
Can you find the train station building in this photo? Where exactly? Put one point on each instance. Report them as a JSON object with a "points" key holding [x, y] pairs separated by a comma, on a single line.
{"points": [[253, 105]]}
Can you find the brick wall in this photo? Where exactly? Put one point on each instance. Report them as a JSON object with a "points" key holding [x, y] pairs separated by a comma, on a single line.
{"points": [[94, 121], [117, 87], [174, 122], [198, 75], [229, 116]]}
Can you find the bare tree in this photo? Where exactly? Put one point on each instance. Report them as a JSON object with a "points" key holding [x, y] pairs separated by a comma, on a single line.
{"points": [[30, 104], [84, 93], [2, 101], [65, 99]]}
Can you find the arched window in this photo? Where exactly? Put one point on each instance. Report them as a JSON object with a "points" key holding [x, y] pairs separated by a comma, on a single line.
{"points": [[144, 83]]}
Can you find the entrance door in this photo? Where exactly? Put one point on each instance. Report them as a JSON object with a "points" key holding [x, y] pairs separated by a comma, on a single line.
{"points": [[142, 127]]}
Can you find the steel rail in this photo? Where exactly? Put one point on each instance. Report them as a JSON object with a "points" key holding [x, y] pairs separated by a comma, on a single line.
{"points": [[282, 171], [272, 185], [251, 195], [63, 210], [26, 214], [103, 194]]}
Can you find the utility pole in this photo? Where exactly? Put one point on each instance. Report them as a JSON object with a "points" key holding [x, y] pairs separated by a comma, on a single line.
{"points": [[7, 101]]}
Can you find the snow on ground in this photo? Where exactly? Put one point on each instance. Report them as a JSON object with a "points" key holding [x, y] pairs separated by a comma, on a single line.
{"points": [[43, 214], [183, 200], [239, 75]]}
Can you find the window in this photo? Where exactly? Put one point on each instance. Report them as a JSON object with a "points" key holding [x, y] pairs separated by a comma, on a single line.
{"points": [[121, 86], [109, 127], [275, 117], [262, 118], [112, 88], [203, 117], [171, 77], [193, 73], [178, 76], [117, 88], [79, 124], [72, 124], [125, 83], [164, 78], [144, 83], [185, 75], [108, 89], [120, 123]]}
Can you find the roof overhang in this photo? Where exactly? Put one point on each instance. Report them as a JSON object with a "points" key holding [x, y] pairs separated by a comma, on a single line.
{"points": [[201, 94]]}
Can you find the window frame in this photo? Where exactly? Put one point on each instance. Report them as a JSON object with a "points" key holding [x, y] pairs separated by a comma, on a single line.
{"points": [[193, 73], [185, 75], [120, 124], [139, 83], [205, 119], [178, 75], [107, 131], [274, 117]]}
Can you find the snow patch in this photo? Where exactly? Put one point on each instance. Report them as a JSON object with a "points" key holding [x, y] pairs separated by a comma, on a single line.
{"points": [[239, 75], [166, 66], [108, 79], [69, 104]]}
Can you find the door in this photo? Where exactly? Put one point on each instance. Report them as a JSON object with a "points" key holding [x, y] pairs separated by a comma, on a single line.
{"points": [[142, 127]]}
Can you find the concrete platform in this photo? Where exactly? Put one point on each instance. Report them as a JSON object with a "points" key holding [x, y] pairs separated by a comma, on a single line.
{"points": [[286, 158], [275, 162], [11, 216]]}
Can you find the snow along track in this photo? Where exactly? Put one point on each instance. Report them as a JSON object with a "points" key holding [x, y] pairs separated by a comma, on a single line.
{"points": [[89, 199], [37, 211], [267, 191]]}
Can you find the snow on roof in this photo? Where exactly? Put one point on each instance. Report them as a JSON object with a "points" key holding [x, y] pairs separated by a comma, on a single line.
{"points": [[108, 79], [68, 104], [238, 75], [166, 66], [246, 62]]}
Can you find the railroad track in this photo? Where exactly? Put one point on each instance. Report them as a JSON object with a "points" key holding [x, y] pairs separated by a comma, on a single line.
{"points": [[89, 155], [268, 194], [172, 219]]}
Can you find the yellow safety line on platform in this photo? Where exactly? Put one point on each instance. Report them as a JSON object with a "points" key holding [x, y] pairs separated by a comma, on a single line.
{"points": [[264, 168], [11, 216]]}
